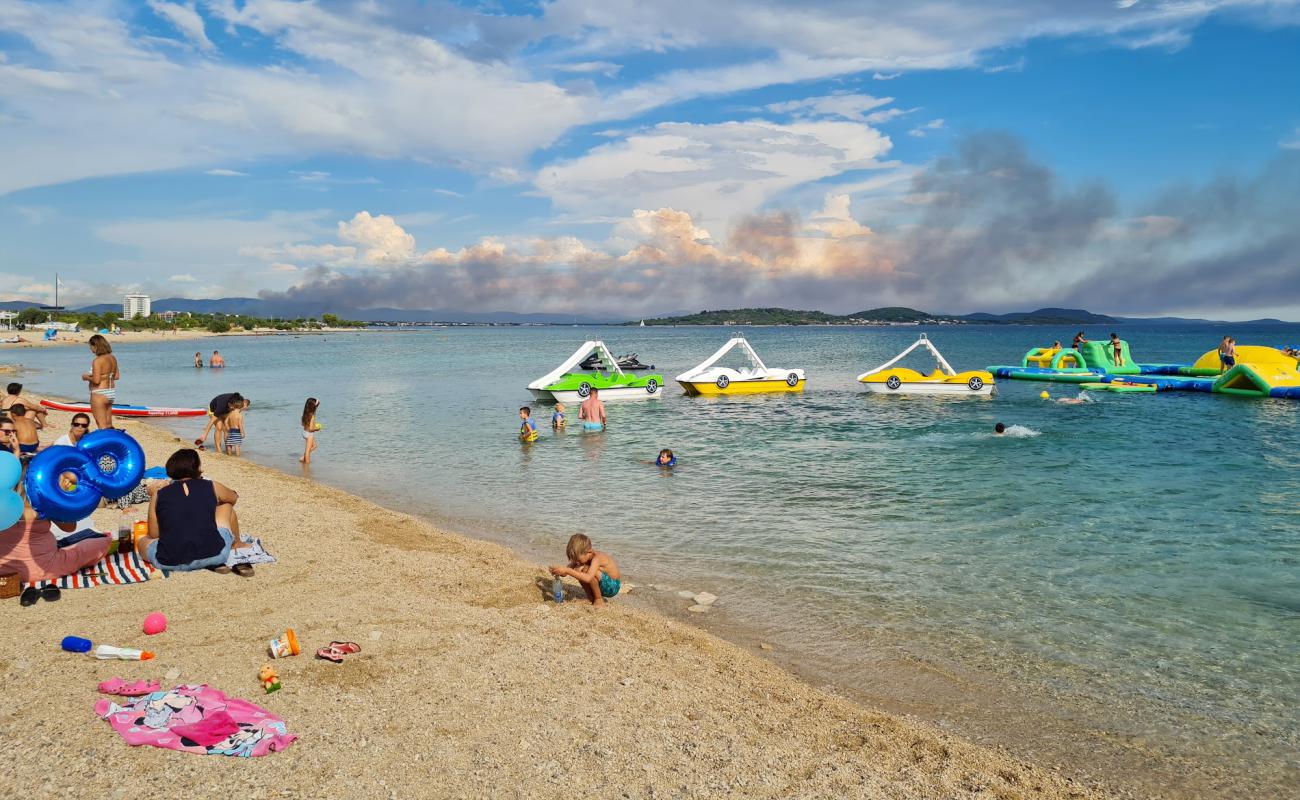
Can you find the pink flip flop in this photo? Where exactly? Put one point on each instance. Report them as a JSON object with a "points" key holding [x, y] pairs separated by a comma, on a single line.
{"points": [[346, 648], [330, 653]]}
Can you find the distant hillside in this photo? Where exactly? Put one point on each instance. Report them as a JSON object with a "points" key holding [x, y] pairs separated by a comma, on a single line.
{"points": [[750, 316], [1044, 316], [895, 314]]}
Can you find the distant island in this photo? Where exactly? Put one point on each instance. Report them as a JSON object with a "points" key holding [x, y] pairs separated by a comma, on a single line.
{"points": [[891, 315]]}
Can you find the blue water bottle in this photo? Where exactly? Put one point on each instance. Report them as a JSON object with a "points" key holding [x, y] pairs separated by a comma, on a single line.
{"points": [[557, 590]]}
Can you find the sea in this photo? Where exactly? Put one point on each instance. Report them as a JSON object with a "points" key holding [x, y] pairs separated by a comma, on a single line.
{"points": [[1112, 587]]}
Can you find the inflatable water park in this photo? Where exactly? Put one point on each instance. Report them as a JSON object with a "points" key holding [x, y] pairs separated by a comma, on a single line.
{"points": [[1108, 366]]}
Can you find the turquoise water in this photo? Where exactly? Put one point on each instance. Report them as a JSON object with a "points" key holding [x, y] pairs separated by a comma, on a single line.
{"points": [[1118, 588]]}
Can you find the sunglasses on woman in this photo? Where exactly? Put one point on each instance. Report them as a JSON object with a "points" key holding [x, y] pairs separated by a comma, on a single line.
{"points": [[81, 424]]}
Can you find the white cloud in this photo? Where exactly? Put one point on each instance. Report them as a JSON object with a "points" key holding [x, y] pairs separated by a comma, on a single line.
{"points": [[380, 238], [186, 20], [717, 171], [184, 278], [885, 76], [606, 68], [226, 173], [843, 105], [1293, 143], [921, 131]]}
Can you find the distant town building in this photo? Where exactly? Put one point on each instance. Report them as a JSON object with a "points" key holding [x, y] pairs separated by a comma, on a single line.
{"points": [[169, 316], [135, 305]]}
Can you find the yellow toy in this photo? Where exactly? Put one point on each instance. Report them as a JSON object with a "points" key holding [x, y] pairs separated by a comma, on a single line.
{"points": [[270, 681]]}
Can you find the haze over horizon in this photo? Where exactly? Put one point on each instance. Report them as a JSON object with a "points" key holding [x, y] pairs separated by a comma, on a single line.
{"points": [[1130, 157]]}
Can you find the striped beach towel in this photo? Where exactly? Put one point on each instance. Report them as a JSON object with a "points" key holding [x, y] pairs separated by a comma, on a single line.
{"points": [[116, 569]]}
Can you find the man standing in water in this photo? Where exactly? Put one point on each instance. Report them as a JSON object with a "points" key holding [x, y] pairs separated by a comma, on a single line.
{"points": [[592, 412], [217, 361], [103, 377]]}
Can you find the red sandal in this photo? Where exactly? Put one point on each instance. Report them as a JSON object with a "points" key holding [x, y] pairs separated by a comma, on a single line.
{"points": [[346, 648]]}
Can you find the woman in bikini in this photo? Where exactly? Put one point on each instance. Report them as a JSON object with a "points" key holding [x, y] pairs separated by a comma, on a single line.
{"points": [[103, 378]]}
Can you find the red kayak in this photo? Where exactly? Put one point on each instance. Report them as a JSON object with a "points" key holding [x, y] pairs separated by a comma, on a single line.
{"points": [[128, 411]]}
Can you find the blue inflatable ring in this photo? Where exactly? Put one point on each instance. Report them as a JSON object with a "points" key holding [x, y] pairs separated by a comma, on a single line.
{"points": [[52, 501]]}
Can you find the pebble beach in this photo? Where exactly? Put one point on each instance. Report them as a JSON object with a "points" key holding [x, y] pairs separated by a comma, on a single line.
{"points": [[470, 683]]}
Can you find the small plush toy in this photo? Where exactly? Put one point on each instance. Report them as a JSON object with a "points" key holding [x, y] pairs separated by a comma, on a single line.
{"points": [[270, 681]]}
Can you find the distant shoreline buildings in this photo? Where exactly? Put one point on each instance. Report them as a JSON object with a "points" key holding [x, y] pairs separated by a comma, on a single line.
{"points": [[136, 305]]}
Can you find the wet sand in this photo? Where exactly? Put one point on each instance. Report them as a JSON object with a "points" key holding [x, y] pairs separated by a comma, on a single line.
{"points": [[469, 683]]}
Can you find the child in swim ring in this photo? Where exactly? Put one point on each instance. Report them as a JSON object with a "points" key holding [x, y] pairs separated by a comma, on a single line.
{"points": [[528, 428], [557, 419]]}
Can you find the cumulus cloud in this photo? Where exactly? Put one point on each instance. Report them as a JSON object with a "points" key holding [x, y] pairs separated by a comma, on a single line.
{"points": [[988, 228]]}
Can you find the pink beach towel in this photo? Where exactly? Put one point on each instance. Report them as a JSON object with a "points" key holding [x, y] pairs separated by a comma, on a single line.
{"points": [[197, 719]]}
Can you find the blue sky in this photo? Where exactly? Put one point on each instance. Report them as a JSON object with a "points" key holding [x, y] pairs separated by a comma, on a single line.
{"points": [[1127, 157]]}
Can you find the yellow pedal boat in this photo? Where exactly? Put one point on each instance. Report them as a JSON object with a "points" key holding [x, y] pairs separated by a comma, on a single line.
{"points": [[753, 378], [891, 379]]}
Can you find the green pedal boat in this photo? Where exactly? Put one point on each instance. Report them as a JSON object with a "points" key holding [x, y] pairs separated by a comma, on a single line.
{"points": [[593, 366]]}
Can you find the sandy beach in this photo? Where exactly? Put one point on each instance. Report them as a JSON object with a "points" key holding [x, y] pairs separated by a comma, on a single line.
{"points": [[469, 683], [34, 337]]}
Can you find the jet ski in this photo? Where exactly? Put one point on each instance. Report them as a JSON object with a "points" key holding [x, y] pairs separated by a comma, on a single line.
{"points": [[627, 363]]}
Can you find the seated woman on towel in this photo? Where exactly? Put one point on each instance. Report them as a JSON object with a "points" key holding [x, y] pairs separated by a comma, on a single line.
{"points": [[29, 547], [192, 522]]}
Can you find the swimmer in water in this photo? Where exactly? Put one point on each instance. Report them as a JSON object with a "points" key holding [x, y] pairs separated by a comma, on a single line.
{"points": [[999, 429], [666, 458], [1072, 401]]}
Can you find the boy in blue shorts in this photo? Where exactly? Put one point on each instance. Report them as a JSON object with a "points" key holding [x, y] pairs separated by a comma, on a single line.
{"points": [[596, 571]]}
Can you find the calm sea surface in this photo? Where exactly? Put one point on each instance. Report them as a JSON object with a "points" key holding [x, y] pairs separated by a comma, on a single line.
{"points": [[1117, 589]]}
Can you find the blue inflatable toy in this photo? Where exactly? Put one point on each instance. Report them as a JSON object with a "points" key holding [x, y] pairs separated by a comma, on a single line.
{"points": [[11, 504], [105, 464]]}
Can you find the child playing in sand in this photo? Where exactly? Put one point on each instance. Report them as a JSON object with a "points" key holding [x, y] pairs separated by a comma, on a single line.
{"points": [[557, 419], [527, 428], [235, 428], [596, 571], [309, 428]]}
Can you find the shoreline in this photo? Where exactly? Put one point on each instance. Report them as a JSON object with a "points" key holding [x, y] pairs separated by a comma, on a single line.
{"points": [[68, 338], [680, 710]]}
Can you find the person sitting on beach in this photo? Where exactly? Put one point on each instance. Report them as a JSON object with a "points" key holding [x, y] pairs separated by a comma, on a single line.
{"points": [[527, 428], [78, 428], [1079, 341], [592, 411], [34, 410], [217, 361], [30, 549], [192, 520], [235, 428], [218, 408], [1229, 354], [666, 458], [596, 571], [8, 442], [26, 438], [557, 419], [198, 359]]}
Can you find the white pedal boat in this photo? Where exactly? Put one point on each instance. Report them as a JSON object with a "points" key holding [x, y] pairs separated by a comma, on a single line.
{"points": [[570, 383], [890, 379], [753, 378]]}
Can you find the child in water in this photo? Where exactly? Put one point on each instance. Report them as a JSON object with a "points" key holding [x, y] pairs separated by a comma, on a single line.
{"points": [[666, 458], [596, 571], [557, 419], [235, 428], [528, 428], [309, 428], [999, 429]]}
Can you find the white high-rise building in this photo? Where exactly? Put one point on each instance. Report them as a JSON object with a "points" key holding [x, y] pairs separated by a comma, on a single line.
{"points": [[135, 305]]}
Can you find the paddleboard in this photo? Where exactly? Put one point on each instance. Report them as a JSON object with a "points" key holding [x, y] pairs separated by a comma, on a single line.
{"points": [[128, 410]]}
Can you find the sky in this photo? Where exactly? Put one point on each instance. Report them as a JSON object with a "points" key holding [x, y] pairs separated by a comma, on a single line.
{"points": [[1136, 157]]}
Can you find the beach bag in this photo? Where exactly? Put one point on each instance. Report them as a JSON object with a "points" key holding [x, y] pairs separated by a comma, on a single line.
{"points": [[10, 585]]}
